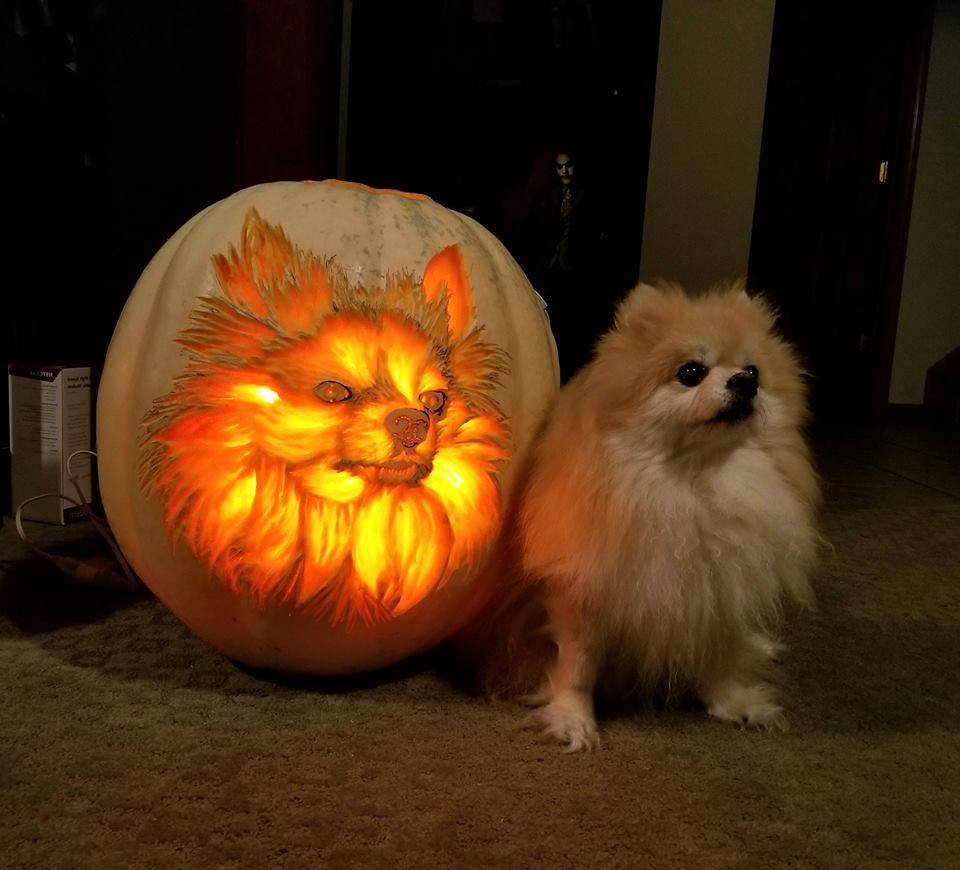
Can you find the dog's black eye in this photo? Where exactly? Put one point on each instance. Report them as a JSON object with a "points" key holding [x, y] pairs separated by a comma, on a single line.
{"points": [[691, 373], [753, 371], [332, 391]]}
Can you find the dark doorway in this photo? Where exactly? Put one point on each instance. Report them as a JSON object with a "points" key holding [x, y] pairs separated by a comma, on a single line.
{"points": [[477, 102], [837, 165]]}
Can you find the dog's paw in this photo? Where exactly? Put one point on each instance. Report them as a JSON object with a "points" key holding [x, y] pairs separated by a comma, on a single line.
{"points": [[750, 706], [538, 698], [568, 722]]}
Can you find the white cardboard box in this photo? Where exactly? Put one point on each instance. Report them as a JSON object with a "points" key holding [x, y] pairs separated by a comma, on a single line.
{"points": [[49, 420]]}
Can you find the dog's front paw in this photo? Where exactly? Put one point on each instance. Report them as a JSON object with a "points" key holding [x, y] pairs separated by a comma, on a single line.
{"points": [[537, 698], [569, 721], [752, 706]]}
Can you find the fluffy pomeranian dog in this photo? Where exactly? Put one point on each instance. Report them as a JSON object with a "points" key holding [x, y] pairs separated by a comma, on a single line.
{"points": [[671, 511]]}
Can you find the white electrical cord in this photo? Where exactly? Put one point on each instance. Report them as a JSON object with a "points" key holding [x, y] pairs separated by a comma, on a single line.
{"points": [[99, 571]]}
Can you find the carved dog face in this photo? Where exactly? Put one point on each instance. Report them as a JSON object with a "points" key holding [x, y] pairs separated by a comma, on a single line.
{"points": [[331, 445]]}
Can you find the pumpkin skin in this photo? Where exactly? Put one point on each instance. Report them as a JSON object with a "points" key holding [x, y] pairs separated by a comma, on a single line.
{"points": [[310, 419]]}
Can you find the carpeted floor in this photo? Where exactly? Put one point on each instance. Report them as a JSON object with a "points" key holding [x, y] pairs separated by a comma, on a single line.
{"points": [[126, 742]]}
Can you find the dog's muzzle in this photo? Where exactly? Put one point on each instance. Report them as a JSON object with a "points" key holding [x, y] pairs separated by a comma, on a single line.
{"points": [[742, 388]]}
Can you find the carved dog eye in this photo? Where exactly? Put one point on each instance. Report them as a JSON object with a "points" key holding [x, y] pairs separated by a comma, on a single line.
{"points": [[691, 373], [433, 400], [332, 391]]}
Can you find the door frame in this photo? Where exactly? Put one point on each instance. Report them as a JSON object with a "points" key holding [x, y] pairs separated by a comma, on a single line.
{"points": [[908, 146], [785, 147]]}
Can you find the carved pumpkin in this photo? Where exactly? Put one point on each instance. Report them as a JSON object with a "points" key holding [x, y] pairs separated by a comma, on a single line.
{"points": [[309, 420]]}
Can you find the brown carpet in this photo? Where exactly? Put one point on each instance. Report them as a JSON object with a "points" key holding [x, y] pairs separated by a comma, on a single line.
{"points": [[126, 742]]}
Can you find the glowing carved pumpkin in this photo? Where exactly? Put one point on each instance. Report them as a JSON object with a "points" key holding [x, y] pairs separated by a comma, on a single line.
{"points": [[309, 419]]}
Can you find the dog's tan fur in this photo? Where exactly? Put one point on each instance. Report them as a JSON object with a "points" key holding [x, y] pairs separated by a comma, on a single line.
{"points": [[666, 541]]}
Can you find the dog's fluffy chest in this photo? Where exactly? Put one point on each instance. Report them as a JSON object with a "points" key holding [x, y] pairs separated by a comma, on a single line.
{"points": [[717, 539]]}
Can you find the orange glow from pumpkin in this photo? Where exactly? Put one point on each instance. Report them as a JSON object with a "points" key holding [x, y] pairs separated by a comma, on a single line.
{"points": [[265, 394], [330, 485], [448, 271], [274, 457], [254, 393], [236, 505]]}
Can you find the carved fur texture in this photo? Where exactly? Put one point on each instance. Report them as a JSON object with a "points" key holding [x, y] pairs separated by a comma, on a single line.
{"points": [[331, 445]]}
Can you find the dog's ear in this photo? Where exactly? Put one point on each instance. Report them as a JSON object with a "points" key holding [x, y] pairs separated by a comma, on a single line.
{"points": [[739, 286], [644, 293], [447, 273], [754, 300], [642, 301], [270, 278]]}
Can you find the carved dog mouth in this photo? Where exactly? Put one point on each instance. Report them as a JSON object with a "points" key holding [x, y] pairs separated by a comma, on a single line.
{"points": [[393, 471]]}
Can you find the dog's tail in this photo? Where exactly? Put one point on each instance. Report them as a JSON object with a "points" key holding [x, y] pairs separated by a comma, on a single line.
{"points": [[506, 650]]}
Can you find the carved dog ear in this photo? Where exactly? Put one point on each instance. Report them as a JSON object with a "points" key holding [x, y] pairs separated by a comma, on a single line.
{"points": [[271, 278], [447, 271]]}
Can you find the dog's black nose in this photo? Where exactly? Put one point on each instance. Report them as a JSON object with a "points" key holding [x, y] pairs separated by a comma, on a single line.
{"points": [[743, 384]]}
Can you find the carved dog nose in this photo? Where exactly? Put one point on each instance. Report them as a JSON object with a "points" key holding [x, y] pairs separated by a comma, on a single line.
{"points": [[408, 425]]}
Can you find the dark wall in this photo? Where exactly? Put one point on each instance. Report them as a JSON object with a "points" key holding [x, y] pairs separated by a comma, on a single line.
{"points": [[290, 90], [120, 119], [117, 123], [469, 101]]}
